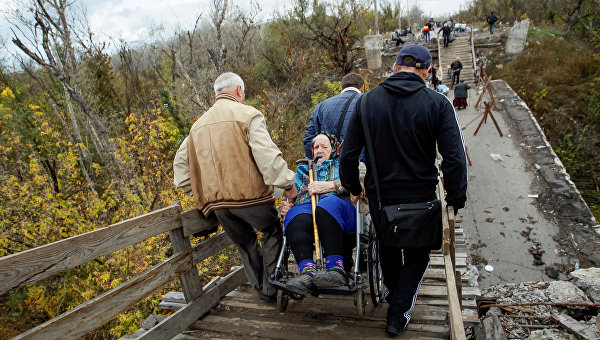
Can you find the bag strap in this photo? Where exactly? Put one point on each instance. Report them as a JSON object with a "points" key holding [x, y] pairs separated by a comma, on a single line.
{"points": [[341, 122], [363, 111]]}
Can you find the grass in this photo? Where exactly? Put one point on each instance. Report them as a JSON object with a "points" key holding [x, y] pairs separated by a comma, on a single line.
{"points": [[560, 81]]}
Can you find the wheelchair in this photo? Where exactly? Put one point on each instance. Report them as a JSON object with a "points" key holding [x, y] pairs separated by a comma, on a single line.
{"points": [[365, 273]]}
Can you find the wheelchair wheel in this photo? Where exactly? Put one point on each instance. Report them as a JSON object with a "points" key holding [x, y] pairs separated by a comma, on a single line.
{"points": [[375, 275], [282, 300]]}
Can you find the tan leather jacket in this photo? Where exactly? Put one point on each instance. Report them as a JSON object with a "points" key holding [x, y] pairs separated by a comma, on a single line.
{"points": [[231, 160]]}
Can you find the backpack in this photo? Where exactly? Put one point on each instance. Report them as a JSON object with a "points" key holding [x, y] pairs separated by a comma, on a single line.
{"points": [[426, 29]]}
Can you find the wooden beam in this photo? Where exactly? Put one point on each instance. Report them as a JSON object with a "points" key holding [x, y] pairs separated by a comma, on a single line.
{"points": [[33, 265], [88, 316], [457, 328], [194, 222], [190, 280], [210, 247], [180, 320]]}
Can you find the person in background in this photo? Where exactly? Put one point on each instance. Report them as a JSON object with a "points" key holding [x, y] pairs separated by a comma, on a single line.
{"points": [[396, 37], [328, 113], [491, 20], [426, 33], [446, 33], [406, 122], [434, 79], [456, 67], [461, 94], [230, 165]]}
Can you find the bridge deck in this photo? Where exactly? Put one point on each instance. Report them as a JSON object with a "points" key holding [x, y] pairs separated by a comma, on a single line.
{"points": [[241, 314]]}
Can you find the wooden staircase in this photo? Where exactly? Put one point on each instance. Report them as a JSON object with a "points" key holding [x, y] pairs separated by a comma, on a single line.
{"points": [[461, 47]]}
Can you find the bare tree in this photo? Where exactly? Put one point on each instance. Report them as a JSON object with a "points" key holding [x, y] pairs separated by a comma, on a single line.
{"points": [[218, 12], [51, 28]]}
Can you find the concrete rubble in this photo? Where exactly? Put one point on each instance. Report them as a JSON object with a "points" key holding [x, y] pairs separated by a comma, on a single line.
{"points": [[545, 310]]}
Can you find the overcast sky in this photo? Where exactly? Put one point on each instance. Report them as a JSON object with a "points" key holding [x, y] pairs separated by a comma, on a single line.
{"points": [[132, 20]]}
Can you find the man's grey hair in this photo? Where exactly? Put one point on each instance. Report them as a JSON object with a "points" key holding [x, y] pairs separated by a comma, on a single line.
{"points": [[228, 80]]}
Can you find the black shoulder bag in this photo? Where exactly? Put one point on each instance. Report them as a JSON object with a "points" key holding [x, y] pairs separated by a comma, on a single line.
{"points": [[410, 225], [343, 116]]}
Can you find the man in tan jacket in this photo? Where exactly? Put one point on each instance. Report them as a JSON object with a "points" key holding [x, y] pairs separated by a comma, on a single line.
{"points": [[230, 165]]}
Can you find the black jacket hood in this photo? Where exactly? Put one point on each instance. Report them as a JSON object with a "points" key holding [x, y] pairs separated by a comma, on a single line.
{"points": [[403, 83]]}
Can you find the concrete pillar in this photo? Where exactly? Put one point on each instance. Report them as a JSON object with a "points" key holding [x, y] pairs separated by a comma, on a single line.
{"points": [[517, 37], [373, 47]]}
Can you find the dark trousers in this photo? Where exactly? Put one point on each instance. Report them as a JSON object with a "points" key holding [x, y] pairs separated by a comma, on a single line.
{"points": [[446, 40], [403, 271], [300, 236], [455, 77], [259, 260], [398, 41]]}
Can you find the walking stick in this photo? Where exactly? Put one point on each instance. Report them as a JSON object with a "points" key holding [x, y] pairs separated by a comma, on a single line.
{"points": [[313, 201]]}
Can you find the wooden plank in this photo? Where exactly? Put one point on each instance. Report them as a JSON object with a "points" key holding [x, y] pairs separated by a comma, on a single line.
{"points": [[180, 320], [210, 247], [262, 324], [193, 222], [32, 265], [247, 302], [440, 291], [580, 331], [190, 280], [88, 316], [457, 328]]}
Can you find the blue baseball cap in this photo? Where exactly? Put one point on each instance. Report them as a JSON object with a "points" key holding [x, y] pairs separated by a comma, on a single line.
{"points": [[417, 51]]}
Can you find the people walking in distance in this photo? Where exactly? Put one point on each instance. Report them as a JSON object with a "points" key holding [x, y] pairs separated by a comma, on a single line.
{"points": [[491, 20], [430, 28], [434, 79], [446, 30], [426, 33], [230, 165], [456, 67], [461, 93], [396, 37], [333, 114], [404, 121]]}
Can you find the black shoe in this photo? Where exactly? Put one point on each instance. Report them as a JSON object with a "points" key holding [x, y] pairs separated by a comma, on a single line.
{"points": [[302, 284], [267, 298], [331, 278], [392, 331]]}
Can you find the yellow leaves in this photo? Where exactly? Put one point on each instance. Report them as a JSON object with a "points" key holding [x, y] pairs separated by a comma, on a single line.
{"points": [[33, 107], [115, 283], [7, 116], [105, 277], [7, 93]]}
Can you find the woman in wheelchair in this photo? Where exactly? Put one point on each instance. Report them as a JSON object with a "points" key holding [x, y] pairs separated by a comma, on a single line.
{"points": [[335, 217]]}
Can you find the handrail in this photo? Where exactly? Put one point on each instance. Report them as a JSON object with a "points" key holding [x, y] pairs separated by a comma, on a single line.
{"points": [[473, 54], [33, 265], [457, 328], [20, 269]]}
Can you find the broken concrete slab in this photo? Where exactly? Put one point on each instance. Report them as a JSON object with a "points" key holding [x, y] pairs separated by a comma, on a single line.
{"points": [[588, 280], [517, 37], [565, 291]]}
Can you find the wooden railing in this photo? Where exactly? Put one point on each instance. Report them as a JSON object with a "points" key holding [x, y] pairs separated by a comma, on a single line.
{"points": [[453, 276], [475, 75], [33, 265]]}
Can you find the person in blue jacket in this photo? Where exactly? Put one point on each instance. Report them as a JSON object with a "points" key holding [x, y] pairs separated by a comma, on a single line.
{"points": [[407, 122], [328, 113]]}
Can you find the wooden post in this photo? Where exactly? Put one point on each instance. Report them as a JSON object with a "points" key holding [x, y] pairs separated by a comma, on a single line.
{"points": [[190, 280]]}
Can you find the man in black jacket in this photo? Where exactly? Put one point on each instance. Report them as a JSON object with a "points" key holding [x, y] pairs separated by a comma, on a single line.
{"points": [[456, 68], [406, 121]]}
